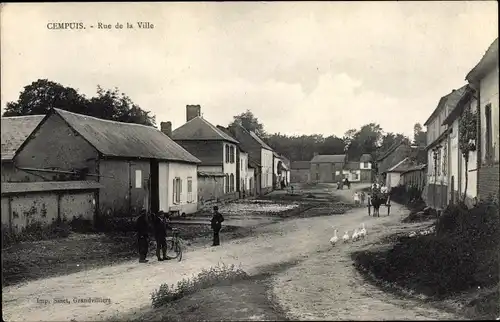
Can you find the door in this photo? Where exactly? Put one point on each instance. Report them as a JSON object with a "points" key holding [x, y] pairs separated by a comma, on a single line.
{"points": [[154, 190]]}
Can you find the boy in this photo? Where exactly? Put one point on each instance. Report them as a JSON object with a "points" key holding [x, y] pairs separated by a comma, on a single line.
{"points": [[216, 223]]}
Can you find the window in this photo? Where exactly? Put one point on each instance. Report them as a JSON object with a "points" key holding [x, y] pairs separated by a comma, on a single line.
{"points": [[177, 190], [138, 178], [227, 153], [231, 182], [241, 164], [190, 189], [226, 188], [232, 154], [488, 140], [366, 165]]}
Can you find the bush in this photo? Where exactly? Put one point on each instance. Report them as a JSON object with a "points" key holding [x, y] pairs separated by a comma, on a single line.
{"points": [[207, 278]]}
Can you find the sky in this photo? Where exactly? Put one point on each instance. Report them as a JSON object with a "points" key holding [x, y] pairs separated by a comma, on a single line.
{"points": [[300, 67]]}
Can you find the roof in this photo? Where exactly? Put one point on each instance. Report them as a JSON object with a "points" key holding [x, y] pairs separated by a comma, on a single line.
{"points": [[130, 140], [415, 168], [297, 165], [487, 61], [228, 133], [24, 187], [390, 150], [447, 101], [259, 140], [15, 130], [365, 158], [327, 158], [252, 162], [210, 174], [458, 108], [199, 129], [402, 166]]}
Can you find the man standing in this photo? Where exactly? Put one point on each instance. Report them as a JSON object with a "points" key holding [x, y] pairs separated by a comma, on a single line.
{"points": [[216, 223], [160, 237], [142, 229]]}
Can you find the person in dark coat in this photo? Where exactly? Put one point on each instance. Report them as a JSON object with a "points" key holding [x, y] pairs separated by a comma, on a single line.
{"points": [[216, 223], [347, 183], [142, 229], [160, 229]]}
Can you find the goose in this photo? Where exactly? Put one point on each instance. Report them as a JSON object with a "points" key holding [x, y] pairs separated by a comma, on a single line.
{"points": [[355, 235], [346, 237], [363, 231], [334, 239], [412, 234]]}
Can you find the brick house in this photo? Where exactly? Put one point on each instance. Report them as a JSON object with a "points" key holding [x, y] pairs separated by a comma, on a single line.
{"points": [[260, 155], [483, 78], [136, 165], [216, 150]]}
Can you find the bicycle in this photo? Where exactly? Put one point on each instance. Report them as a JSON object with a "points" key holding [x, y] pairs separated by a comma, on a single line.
{"points": [[174, 245]]}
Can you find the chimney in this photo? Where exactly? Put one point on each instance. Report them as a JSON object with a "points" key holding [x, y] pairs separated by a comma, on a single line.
{"points": [[192, 111], [166, 128]]}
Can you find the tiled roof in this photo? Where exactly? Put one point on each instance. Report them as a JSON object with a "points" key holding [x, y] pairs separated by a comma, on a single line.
{"points": [[120, 139], [23, 187], [390, 150], [259, 140], [228, 133], [448, 101], [199, 129], [416, 168], [402, 166], [297, 165], [326, 158], [15, 130]]}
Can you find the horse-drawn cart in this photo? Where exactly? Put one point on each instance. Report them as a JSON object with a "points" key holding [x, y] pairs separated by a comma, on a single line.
{"points": [[377, 199]]}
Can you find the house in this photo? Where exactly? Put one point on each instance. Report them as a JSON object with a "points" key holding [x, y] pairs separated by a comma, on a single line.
{"points": [[25, 202], [438, 150], [393, 175], [462, 176], [327, 168], [216, 150], [137, 166], [259, 152], [281, 170], [15, 130], [414, 177], [395, 154], [300, 171], [333, 168], [254, 176], [483, 78], [242, 175]]}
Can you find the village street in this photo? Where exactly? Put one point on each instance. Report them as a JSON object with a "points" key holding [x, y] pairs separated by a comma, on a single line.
{"points": [[323, 284]]}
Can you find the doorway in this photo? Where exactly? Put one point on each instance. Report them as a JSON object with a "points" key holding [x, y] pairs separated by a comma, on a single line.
{"points": [[154, 192]]}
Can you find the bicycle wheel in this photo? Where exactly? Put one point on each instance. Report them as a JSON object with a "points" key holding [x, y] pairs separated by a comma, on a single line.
{"points": [[174, 249]]}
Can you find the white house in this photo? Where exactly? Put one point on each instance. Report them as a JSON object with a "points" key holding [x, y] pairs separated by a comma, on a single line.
{"points": [[457, 171], [484, 79]]}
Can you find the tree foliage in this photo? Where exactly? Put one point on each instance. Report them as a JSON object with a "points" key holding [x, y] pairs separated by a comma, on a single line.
{"points": [[467, 134], [419, 135], [42, 95], [250, 123]]}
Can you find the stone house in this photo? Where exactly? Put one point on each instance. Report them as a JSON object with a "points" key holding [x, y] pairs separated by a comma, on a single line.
{"points": [[483, 78], [137, 166]]}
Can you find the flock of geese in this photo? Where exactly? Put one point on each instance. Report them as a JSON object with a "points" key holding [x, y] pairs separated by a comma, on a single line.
{"points": [[357, 234]]}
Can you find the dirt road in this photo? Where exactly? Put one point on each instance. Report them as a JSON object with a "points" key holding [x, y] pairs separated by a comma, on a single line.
{"points": [[126, 287]]}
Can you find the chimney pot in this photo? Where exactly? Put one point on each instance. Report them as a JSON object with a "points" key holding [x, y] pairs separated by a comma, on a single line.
{"points": [[166, 128], [192, 111]]}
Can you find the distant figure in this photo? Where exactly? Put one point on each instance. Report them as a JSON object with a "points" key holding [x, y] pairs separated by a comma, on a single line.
{"points": [[142, 229], [339, 185], [160, 229], [356, 199], [216, 223], [362, 197], [347, 183]]}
